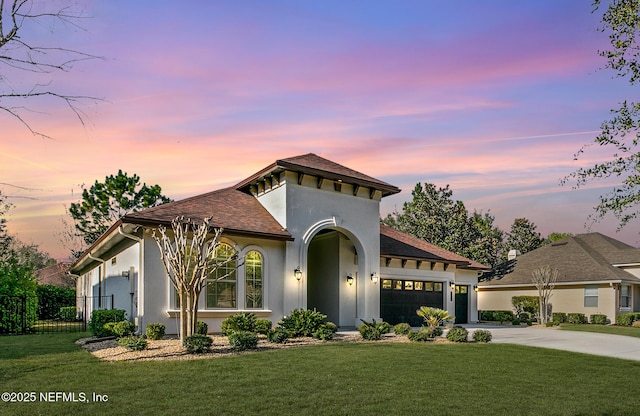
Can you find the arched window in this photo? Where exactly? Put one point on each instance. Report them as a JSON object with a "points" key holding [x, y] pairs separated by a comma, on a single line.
{"points": [[253, 280], [221, 283]]}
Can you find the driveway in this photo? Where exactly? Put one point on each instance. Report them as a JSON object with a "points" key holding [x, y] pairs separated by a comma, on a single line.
{"points": [[616, 346]]}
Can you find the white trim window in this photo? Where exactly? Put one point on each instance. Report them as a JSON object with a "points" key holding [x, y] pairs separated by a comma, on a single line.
{"points": [[221, 291], [625, 296], [253, 271], [591, 296]]}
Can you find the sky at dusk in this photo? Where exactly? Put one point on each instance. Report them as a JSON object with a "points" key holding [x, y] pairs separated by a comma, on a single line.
{"points": [[492, 98]]}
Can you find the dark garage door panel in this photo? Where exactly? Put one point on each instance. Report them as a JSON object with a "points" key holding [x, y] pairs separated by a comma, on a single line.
{"points": [[398, 306]]}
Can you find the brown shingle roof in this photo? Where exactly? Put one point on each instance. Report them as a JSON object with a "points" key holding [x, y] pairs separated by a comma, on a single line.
{"points": [[582, 258], [231, 209], [396, 244], [312, 164], [55, 275]]}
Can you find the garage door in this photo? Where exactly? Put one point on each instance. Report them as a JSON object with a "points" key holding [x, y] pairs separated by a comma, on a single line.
{"points": [[399, 299]]}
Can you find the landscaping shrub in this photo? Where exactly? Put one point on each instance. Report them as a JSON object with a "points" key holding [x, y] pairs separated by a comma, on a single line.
{"points": [[482, 335], [243, 340], [559, 317], [133, 343], [598, 319], [421, 335], [526, 304], [263, 326], [326, 331], [202, 328], [524, 316], [370, 330], [627, 318], [402, 328], [302, 323], [515, 322], [197, 344], [435, 332], [496, 316], [458, 334], [123, 329], [242, 321], [384, 327], [576, 318], [278, 335], [108, 329], [101, 317], [155, 331], [68, 313], [549, 324]]}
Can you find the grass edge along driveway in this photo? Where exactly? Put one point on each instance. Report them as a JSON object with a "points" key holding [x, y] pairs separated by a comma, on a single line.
{"points": [[327, 379]]}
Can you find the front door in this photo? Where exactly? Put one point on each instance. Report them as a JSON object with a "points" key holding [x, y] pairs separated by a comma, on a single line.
{"points": [[462, 304]]}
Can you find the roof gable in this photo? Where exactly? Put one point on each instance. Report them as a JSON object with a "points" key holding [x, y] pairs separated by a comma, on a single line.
{"points": [[312, 164], [581, 258]]}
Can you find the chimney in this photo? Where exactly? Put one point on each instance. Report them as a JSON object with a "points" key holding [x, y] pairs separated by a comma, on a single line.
{"points": [[513, 254]]}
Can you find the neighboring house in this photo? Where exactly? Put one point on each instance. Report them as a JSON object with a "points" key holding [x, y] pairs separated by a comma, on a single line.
{"points": [[308, 231], [597, 275], [55, 275]]}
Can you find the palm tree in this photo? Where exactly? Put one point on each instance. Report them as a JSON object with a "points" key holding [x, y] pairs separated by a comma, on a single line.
{"points": [[433, 317]]}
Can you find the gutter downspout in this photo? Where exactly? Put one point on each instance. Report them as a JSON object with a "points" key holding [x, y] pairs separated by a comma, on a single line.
{"points": [[103, 270], [140, 304]]}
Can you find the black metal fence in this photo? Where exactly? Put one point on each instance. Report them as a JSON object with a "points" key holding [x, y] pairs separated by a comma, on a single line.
{"points": [[19, 315]]}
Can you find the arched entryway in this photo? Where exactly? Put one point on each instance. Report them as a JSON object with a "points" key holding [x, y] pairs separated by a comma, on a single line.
{"points": [[331, 257]]}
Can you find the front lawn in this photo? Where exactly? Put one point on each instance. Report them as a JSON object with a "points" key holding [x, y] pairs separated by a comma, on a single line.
{"points": [[328, 379], [628, 331]]}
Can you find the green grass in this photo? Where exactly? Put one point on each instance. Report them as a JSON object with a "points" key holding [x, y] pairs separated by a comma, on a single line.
{"points": [[328, 379], [628, 331]]}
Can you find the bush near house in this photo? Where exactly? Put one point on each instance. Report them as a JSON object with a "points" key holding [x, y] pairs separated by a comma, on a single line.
{"points": [[598, 319], [278, 335], [202, 328], [576, 318], [458, 334], [482, 335], [302, 323], [402, 328], [133, 343], [243, 340], [558, 317], [627, 318], [197, 344], [263, 326], [421, 335], [326, 331], [496, 316], [242, 321], [101, 317], [155, 331], [528, 304]]}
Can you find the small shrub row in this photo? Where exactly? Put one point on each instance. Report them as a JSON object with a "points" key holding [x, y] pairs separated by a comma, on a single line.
{"points": [[576, 318], [326, 331], [402, 328], [243, 340], [559, 317], [627, 318], [302, 322], [497, 316], [598, 319], [421, 335], [482, 335], [278, 335]]}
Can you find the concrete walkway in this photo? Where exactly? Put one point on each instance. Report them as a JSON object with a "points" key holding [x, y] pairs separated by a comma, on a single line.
{"points": [[616, 346]]}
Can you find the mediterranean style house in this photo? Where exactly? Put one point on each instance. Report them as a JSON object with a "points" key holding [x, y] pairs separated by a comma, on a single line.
{"points": [[596, 275], [309, 235]]}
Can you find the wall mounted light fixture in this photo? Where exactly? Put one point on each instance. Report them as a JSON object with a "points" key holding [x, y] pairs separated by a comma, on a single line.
{"points": [[452, 285], [297, 273], [350, 279], [374, 277], [475, 288]]}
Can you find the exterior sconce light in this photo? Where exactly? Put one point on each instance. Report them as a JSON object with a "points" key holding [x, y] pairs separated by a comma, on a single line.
{"points": [[350, 279], [475, 288], [452, 285], [297, 273], [374, 278]]}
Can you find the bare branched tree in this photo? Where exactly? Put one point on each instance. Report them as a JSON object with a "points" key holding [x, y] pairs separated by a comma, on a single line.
{"points": [[544, 278], [189, 259], [20, 54]]}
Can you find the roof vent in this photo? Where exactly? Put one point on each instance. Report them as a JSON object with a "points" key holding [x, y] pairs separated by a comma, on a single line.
{"points": [[513, 254], [563, 243]]}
